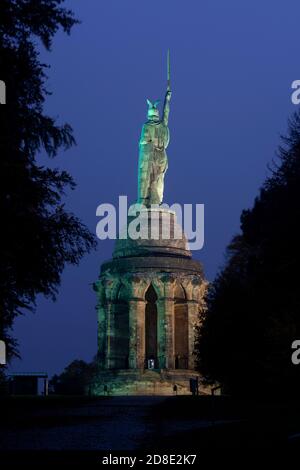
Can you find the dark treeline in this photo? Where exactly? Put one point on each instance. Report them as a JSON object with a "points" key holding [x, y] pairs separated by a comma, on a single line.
{"points": [[253, 306], [38, 235], [75, 378]]}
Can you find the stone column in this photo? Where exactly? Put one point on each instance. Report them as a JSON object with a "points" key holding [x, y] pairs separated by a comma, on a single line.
{"points": [[169, 315], [102, 335], [193, 309], [140, 333], [109, 335], [165, 332], [136, 333], [102, 324]]}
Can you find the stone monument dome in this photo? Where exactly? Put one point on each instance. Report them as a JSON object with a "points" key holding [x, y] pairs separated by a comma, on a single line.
{"points": [[163, 236]]}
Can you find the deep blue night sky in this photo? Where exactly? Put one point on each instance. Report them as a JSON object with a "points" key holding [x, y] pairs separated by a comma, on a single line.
{"points": [[232, 66]]}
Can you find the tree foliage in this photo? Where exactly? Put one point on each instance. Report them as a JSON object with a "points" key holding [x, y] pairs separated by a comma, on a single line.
{"points": [[253, 306], [75, 379], [39, 236]]}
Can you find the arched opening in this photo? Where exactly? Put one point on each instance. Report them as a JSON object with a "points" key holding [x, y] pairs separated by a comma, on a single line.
{"points": [[151, 360], [119, 326], [181, 328]]}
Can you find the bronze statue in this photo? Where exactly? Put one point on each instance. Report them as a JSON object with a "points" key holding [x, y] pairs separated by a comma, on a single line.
{"points": [[153, 160]]}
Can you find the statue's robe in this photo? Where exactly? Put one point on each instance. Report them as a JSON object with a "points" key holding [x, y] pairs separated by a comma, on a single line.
{"points": [[153, 160]]}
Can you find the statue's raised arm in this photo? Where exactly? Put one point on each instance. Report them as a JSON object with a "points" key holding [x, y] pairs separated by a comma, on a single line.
{"points": [[166, 110]]}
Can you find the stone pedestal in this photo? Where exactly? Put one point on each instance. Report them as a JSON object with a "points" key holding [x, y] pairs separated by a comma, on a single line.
{"points": [[149, 296]]}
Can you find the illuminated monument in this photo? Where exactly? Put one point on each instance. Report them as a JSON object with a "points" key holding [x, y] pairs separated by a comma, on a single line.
{"points": [[150, 293]]}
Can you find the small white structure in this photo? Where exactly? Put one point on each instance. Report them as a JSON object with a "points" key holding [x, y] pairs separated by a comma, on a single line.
{"points": [[2, 353], [2, 92]]}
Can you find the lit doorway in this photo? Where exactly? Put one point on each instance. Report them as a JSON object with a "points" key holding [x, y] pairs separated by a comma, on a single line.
{"points": [[151, 360]]}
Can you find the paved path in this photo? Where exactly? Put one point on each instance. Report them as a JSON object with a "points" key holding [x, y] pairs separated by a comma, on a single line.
{"points": [[124, 423], [113, 423]]}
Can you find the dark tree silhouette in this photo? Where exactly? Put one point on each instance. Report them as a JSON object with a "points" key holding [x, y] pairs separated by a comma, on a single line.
{"points": [[253, 306], [38, 235], [75, 379]]}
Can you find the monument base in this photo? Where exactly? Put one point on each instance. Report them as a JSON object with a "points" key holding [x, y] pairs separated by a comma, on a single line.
{"points": [[164, 382], [149, 298]]}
